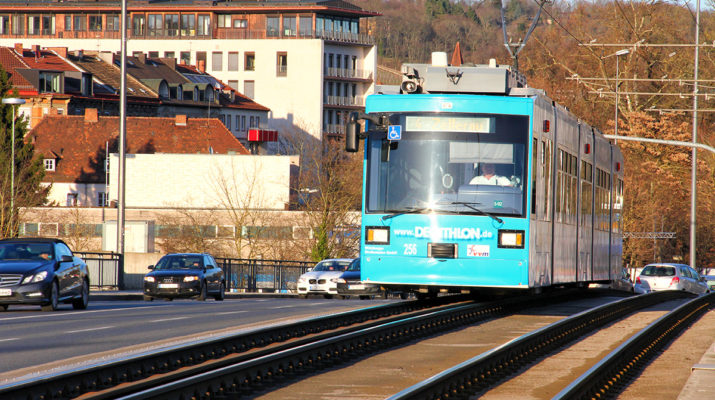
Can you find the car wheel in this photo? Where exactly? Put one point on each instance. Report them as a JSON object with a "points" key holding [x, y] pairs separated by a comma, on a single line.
{"points": [[202, 294], [344, 297], [303, 296], [366, 297], [83, 301], [54, 298], [221, 292], [4, 307], [148, 298], [328, 296]]}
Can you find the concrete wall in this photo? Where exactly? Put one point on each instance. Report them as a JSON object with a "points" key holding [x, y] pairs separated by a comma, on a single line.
{"points": [[203, 180], [135, 267]]}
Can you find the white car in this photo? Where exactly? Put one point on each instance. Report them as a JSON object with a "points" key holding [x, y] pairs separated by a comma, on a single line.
{"points": [[323, 278], [669, 276]]}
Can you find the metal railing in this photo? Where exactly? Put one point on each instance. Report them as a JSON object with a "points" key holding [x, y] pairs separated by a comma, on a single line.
{"points": [[262, 276], [106, 270]]}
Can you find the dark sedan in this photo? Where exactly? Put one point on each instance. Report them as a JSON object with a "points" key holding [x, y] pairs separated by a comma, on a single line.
{"points": [[187, 275], [349, 283], [41, 271]]}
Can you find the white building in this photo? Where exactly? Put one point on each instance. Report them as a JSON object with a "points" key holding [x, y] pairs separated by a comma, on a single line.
{"points": [[307, 61]]}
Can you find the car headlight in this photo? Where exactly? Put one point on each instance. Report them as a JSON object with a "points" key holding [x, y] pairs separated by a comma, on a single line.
{"points": [[334, 280], [38, 277], [302, 279], [149, 279], [340, 280], [191, 278]]}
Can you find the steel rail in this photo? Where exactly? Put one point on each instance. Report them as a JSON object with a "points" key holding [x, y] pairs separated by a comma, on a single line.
{"points": [[101, 375], [612, 374], [488, 368], [245, 374]]}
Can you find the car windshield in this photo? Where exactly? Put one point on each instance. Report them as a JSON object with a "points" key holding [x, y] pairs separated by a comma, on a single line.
{"points": [[26, 251], [354, 266], [180, 262], [332, 265], [658, 270]]}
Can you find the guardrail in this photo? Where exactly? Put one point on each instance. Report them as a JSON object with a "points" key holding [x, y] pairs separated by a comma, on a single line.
{"points": [[261, 276], [106, 270]]}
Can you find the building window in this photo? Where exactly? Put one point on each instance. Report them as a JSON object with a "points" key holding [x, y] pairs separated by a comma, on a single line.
{"points": [[95, 23], [188, 25], [49, 82], [272, 26], [233, 84], [102, 199], [251, 122], [250, 63], [169, 54], [228, 122], [240, 23], [289, 26], [113, 22], [204, 25], [249, 88], [281, 63], [217, 61], [49, 164], [138, 25], [258, 122], [185, 57], [238, 122], [306, 25], [18, 24], [48, 24], [243, 123], [4, 24], [233, 61], [153, 54], [224, 21], [155, 25], [33, 25], [171, 24], [71, 199]]}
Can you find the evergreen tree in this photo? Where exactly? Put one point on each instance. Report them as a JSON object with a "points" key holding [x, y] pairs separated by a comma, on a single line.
{"points": [[29, 170]]}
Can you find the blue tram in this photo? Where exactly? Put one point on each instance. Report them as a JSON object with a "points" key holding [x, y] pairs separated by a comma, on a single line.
{"points": [[474, 181]]}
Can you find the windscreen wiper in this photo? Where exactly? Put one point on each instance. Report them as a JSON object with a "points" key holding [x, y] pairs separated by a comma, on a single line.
{"points": [[471, 206], [410, 210]]}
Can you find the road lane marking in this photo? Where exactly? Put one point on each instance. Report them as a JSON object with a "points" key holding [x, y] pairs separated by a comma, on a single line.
{"points": [[74, 313], [230, 312], [293, 306], [9, 339], [168, 319], [99, 328]]}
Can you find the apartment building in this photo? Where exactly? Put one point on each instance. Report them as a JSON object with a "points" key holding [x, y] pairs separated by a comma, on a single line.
{"points": [[307, 61]]}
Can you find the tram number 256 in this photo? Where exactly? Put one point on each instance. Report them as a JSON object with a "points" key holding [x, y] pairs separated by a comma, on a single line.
{"points": [[410, 249]]}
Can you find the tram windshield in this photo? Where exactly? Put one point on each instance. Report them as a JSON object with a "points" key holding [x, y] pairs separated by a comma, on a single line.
{"points": [[457, 163]]}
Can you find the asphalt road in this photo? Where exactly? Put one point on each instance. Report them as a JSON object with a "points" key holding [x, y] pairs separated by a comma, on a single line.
{"points": [[33, 342]]}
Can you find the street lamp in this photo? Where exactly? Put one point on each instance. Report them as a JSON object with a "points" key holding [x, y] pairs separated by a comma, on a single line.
{"points": [[13, 101], [618, 54]]}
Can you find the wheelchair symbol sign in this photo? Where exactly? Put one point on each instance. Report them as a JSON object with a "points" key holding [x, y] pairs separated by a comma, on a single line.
{"points": [[394, 132]]}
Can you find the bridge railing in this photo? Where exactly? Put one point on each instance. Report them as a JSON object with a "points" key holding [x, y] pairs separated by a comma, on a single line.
{"points": [[262, 276]]}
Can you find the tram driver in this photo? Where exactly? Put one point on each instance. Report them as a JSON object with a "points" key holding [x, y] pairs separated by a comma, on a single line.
{"points": [[489, 177]]}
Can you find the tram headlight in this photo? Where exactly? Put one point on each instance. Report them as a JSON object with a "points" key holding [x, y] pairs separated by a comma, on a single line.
{"points": [[377, 235], [511, 239]]}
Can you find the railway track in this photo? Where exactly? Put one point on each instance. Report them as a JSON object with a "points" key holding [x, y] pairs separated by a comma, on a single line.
{"points": [[482, 375], [242, 363]]}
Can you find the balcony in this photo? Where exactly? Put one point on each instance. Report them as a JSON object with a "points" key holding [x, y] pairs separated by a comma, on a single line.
{"points": [[341, 37], [351, 102], [349, 74]]}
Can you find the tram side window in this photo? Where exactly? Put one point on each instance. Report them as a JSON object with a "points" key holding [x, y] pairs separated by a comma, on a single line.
{"points": [[617, 205], [546, 173], [534, 160], [586, 192]]}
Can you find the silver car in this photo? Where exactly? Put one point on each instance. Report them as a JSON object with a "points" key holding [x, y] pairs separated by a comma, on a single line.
{"points": [[669, 276], [323, 278]]}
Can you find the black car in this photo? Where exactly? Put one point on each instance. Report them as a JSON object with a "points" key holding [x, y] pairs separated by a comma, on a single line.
{"points": [[41, 271], [349, 283], [187, 275]]}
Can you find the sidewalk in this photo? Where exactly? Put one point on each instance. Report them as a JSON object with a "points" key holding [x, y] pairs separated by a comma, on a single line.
{"points": [[136, 295], [701, 383]]}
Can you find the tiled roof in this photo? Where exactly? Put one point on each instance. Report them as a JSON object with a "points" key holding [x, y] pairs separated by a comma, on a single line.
{"points": [[149, 69], [45, 60], [9, 61], [109, 74], [81, 144]]}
